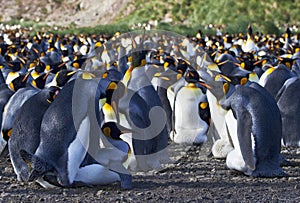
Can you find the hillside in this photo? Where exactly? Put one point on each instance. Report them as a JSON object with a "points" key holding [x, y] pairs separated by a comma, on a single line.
{"points": [[67, 13], [267, 16]]}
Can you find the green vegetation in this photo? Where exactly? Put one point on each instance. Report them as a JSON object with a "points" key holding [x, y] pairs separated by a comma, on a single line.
{"points": [[188, 16], [268, 16]]}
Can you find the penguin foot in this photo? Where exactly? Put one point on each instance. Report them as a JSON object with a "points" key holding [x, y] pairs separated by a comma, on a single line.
{"points": [[24, 175], [283, 161], [126, 181], [269, 173], [221, 148]]}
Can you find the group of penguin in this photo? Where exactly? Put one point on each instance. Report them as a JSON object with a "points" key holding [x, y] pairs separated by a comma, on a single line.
{"points": [[88, 110]]}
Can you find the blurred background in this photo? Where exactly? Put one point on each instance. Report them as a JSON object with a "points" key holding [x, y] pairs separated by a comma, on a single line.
{"points": [[181, 16]]}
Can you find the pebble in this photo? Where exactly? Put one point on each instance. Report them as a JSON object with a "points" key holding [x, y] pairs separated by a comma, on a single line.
{"points": [[291, 179], [99, 193]]}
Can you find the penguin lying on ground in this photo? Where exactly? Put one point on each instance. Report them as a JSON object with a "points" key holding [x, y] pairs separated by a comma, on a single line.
{"points": [[69, 130]]}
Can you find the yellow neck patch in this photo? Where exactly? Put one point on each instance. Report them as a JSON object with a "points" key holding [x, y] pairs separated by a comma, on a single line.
{"points": [[107, 131], [87, 76], [243, 81], [203, 105], [192, 85], [225, 87]]}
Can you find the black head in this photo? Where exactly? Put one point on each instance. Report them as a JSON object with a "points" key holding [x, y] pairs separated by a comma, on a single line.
{"points": [[138, 55], [63, 76], [182, 66], [191, 76], [19, 82], [110, 129], [52, 93], [40, 81], [15, 65]]}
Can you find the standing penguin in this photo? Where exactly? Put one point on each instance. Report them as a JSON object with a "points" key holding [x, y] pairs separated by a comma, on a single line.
{"points": [[26, 129], [288, 103], [259, 148], [150, 136], [189, 128]]}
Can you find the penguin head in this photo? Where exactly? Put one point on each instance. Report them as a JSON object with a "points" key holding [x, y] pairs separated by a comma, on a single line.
{"points": [[182, 66], [113, 74], [78, 62], [52, 93], [19, 82], [15, 65], [40, 67], [138, 55], [170, 62], [111, 130], [114, 92], [63, 76], [191, 76], [249, 30], [219, 86], [40, 81]]}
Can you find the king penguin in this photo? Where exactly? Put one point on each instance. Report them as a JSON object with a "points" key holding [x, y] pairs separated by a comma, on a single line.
{"points": [[259, 145], [22, 95], [143, 110], [69, 131], [26, 129], [287, 101], [189, 128], [273, 78]]}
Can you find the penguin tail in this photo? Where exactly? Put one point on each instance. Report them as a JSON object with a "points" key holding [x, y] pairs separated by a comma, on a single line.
{"points": [[37, 165]]}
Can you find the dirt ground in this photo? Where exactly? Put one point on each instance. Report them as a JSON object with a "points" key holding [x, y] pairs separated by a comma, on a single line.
{"points": [[195, 177]]}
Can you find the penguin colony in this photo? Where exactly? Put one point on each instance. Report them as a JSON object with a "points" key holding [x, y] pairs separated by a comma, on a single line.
{"points": [[88, 110]]}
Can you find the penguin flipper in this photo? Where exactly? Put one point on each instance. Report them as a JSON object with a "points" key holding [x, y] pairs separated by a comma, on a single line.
{"points": [[244, 128]]}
